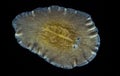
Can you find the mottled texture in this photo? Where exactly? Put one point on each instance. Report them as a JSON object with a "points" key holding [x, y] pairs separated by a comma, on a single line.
{"points": [[62, 36]]}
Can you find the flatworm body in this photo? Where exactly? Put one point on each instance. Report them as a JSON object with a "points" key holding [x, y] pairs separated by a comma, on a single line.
{"points": [[64, 37]]}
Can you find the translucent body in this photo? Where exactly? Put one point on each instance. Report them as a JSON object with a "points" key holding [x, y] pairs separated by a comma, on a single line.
{"points": [[62, 36]]}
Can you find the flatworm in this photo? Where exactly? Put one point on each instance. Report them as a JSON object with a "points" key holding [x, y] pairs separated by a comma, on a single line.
{"points": [[64, 37]]}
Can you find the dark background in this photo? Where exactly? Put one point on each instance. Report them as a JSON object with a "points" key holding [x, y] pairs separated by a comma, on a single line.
{"points": [[20, 60]]}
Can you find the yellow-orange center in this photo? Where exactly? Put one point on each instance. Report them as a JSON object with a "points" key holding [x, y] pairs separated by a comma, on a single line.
{"points": [[58, 35]]}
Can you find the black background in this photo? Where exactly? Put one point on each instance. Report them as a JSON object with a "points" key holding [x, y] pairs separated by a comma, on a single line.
{"points": [[20, 60]]}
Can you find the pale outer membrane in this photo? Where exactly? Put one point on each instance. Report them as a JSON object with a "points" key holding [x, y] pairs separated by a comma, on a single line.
{"points": [[28, 27]]}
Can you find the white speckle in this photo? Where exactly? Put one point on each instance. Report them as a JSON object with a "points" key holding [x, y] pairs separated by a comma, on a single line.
{"points": [[93, 53], [39, 53], [93, 28], [75, 46], [18, 34], [49, 9], [89, 23], [74, 63], [45, 57], [75, 12], [65, 11], [20, 42], [59, 8], [78, 41], [89, 18], [96, 48], [33, 14], [93, 36]]}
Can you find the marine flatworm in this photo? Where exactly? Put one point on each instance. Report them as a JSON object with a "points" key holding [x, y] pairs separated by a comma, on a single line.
{"points": [[64, 37]]}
